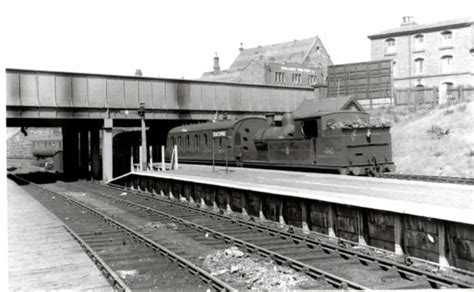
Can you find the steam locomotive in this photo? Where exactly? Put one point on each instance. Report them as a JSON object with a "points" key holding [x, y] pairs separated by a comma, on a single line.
{"points": [[339, 141]]}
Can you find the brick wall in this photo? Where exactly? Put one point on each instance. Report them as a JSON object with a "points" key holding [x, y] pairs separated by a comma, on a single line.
{"points": [[432, 52], [20, 146]]}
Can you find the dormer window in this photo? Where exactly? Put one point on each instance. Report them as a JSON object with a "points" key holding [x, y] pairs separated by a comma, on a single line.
{"points": [[419, 43], [446, 39], [390, 47]]}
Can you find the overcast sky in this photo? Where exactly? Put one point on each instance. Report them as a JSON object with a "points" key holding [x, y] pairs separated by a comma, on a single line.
{"points": [[179, 38]]}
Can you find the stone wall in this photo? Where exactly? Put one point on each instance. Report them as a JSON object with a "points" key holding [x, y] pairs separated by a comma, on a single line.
{"points": [[448, 243]]}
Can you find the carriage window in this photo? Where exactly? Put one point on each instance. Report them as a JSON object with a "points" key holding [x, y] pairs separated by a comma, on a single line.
{"points": [[310, 128], [180, 141], [196, 140]]}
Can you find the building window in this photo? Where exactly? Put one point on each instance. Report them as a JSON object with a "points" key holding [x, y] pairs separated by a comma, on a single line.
{"points": [[446, 39], [419, 66], [296, 78], [279, 77], [205, 140], [390, 47], [447, 64], [188, 143], [419, 43], [312, 79]]}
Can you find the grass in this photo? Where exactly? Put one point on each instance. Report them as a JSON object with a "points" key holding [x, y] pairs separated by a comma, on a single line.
{"points": [[432, 140]]}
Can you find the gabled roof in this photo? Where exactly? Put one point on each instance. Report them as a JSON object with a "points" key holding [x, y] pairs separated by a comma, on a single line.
{"points": [[314, 107], [294, 51], [419, 28]]}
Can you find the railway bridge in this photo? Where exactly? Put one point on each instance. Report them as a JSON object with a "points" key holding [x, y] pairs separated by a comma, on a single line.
{"points": [[89, 106]]}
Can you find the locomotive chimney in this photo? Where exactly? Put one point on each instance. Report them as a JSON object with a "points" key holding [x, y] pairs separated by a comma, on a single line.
{"points": [[270, 119], [138, 72], [241, 47], [217, 68]]}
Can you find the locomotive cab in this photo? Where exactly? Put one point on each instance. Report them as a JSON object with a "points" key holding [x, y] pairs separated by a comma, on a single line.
{"points": [[349, 142]]}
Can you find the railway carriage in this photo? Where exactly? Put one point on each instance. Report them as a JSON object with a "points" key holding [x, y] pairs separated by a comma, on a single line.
{"points": [[233, 139]]}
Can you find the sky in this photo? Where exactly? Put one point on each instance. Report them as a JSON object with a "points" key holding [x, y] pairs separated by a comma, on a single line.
{"points": [[179, 38]]}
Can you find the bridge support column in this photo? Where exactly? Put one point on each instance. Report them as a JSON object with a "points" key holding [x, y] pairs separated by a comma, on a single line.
{"points": [[70, 151], [107, 149], [95, 154], [84, 153]]}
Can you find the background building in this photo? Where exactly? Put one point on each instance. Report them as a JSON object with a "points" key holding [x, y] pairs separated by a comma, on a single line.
{"points": [[428, 55], [298, 63]]}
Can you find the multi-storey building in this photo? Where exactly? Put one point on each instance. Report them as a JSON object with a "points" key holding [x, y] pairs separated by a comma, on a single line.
{"points": [[298, 63], [428, 55]]}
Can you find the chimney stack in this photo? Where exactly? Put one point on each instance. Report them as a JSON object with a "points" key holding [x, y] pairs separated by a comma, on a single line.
{"points": [[241, 47], [408, 20], [216, 64], [138, 72]]}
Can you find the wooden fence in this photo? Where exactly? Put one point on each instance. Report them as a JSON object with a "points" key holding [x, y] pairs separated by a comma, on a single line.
{"points": [[429, 95]]}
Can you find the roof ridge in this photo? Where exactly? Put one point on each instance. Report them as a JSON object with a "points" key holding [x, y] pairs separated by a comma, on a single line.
{"points": [[282, 43], [424, 26]]}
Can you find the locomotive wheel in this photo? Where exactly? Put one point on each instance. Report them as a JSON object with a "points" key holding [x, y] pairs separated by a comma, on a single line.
{"points": [[343, 171]]}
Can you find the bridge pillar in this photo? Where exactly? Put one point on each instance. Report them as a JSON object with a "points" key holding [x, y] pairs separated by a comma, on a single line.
{"points": [[84, 153], [95, 154], [107, 157], [70, 151]]}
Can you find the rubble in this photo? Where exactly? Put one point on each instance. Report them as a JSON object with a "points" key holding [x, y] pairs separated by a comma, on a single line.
{"points": [[254, 272]]}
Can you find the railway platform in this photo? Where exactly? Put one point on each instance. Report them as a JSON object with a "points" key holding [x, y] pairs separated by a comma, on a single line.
{"points": [[41, 254], [431, 221]]}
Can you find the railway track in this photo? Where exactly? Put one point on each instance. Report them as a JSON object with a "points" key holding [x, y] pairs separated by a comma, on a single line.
{"points": [[127, 258], [340, 266], [429, 178]]}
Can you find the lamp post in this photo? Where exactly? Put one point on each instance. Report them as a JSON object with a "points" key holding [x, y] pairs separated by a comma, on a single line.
{"points": [[143, 158]]}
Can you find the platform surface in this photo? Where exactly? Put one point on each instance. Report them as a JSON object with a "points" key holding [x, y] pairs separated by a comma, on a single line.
{"points": [[433, 200], [41, 254]]}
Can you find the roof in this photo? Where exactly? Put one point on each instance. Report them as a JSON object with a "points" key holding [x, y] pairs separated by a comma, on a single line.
{"points": [[315, 107], [294, 51], [209, 126], [418, 28]]}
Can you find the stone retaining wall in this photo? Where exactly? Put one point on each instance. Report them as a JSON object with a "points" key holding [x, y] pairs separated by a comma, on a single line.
{"points": [[448, 243]]}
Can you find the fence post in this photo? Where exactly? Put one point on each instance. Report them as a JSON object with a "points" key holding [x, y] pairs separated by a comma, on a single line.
{"points": [[141, 158], [151, 158], [132, 168], [163, 166]]}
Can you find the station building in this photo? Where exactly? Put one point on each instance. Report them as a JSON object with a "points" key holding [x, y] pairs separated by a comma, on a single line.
{"points": [[296, 63], [439, 55]]}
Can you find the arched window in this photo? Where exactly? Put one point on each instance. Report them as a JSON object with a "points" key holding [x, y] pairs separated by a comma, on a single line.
{"points": [[188, 142], [447, 64], [394, 69], [390, 46], [419, 42], [419, 66], [446, 39], [205, 140]]}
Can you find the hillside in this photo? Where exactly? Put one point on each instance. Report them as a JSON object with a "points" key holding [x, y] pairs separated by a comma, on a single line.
{"points": [[432, 140]]}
